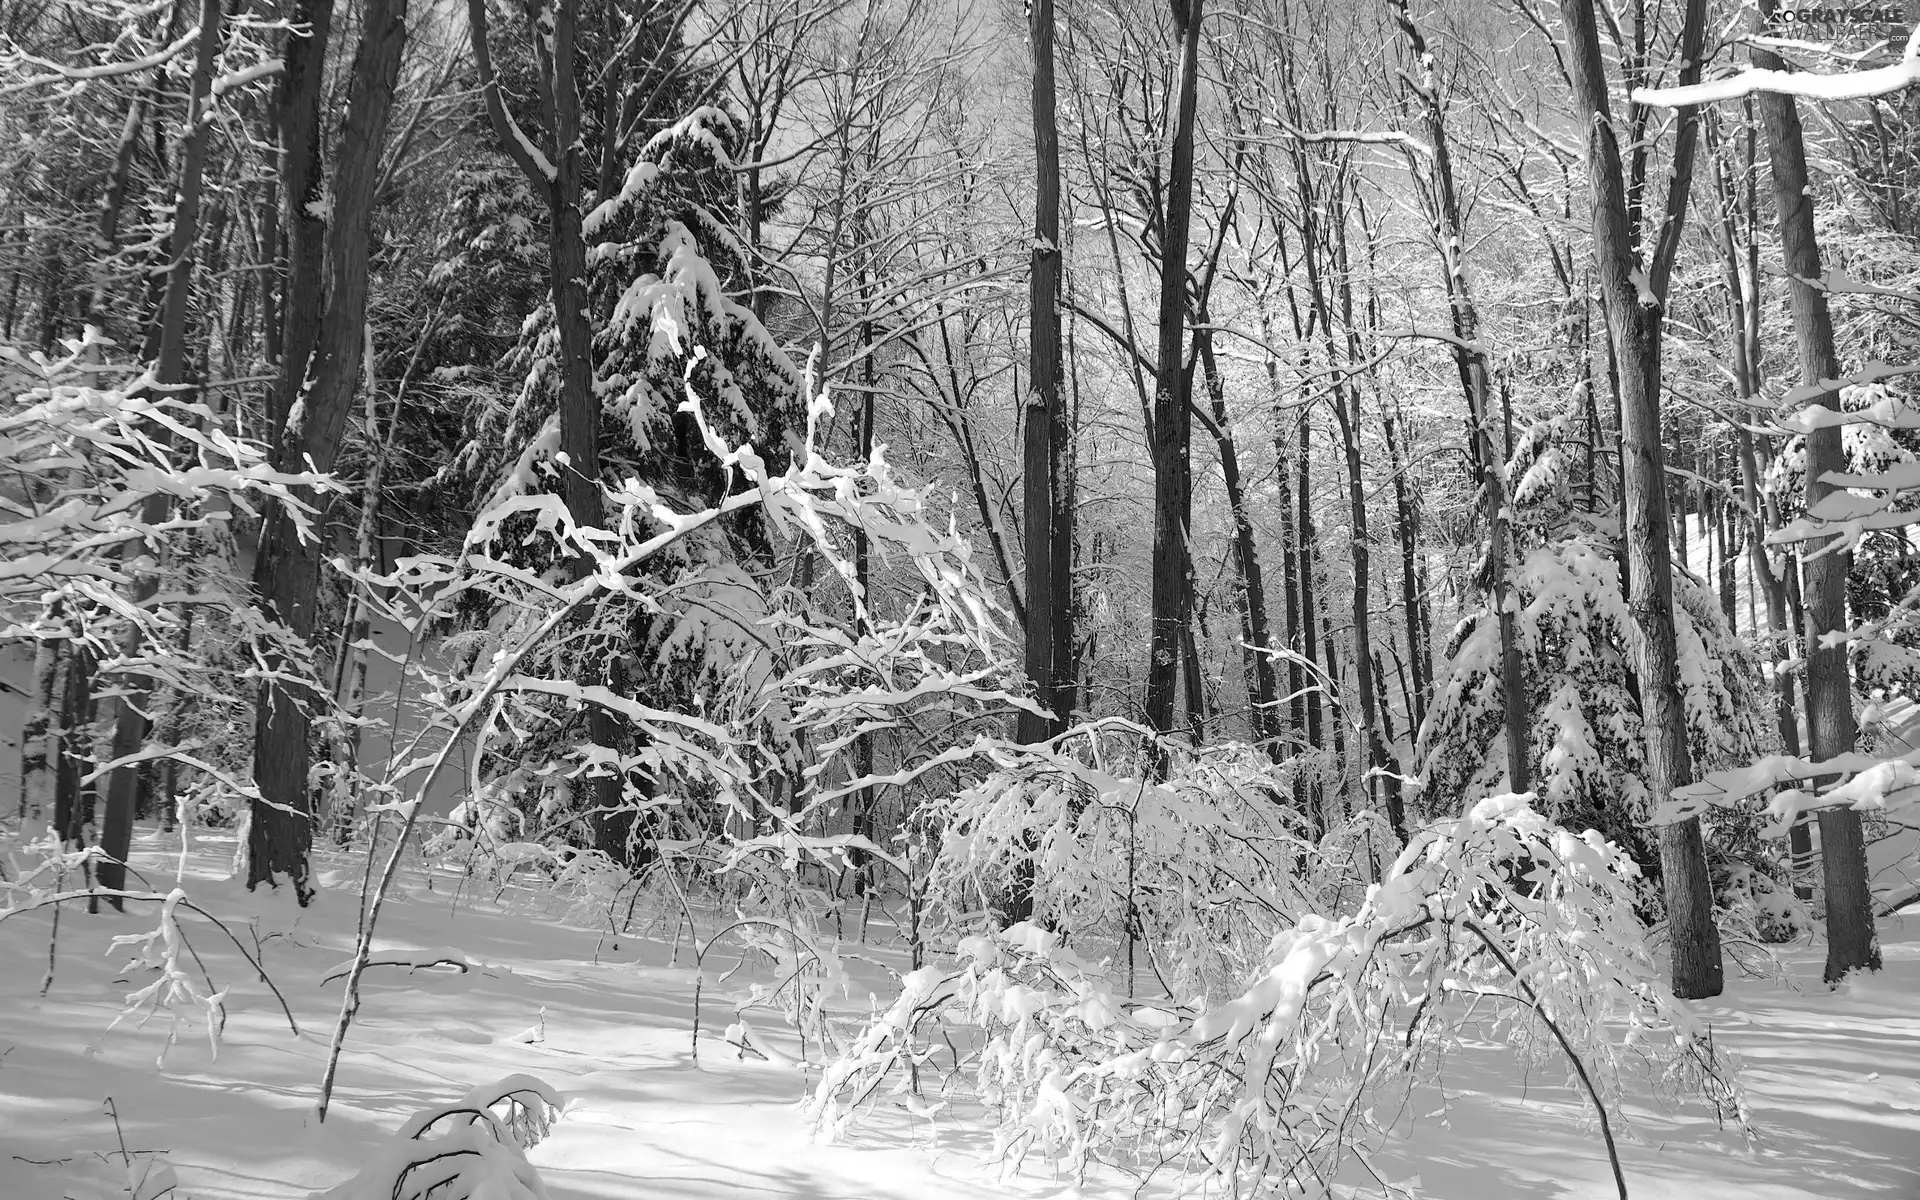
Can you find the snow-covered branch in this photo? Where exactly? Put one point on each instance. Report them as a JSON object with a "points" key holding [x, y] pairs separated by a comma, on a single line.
{"points": [[1808, 85]]}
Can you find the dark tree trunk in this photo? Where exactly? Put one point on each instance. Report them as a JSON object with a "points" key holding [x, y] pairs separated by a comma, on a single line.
{"points": [[1451, 238], [302, 187], [36, 765], [71, 742], [1172, 470], [1310, 602], [1361, 553], [1251, 595], [1406, 532], [1635, 332], [1290, 560], [1046, 435], [108, 229], [321, 366], [1852, 942], [169, 371], [865, 798], [13, 288], [560, 181], [53, 291], [1199, 711]]}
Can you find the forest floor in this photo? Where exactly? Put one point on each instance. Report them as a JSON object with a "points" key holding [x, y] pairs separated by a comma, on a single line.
{"points": [[1833, 1077]]}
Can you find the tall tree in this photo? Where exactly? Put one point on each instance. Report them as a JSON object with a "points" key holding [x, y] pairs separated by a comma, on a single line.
{"points": [[1470, 356], [169, 371], [557, 176], [1634, 290], [1851, 940], [1172, 431], [320, 369], [1046, 435]]}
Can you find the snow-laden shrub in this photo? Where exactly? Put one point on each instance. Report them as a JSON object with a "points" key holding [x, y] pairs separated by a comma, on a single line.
{"points": [[472, 1149], [1498, 923], [1193, 869], [1575, 636], [121, 566]]}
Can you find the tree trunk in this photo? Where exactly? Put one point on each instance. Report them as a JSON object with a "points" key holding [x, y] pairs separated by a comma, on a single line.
{"points": [[1172, 471], [1310, 605], [1406, 532], [108, 231], [1361, 553], [579, 407], [1199, 711], [1290, 574], [70, 742], [1251, 595], [36, 765], [53, 289], [560, 181], [169, 371], [1634, 293], [302, 187], [1851, 939], [1761, 566], [1046, 436], [865, 798], [1451, 237], [323, 373]]}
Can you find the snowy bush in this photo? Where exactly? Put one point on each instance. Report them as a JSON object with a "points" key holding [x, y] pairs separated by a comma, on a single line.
{"points": [[1498, 923], [1110, 853], [120, 543], [1575, 636], [472, 1149]]}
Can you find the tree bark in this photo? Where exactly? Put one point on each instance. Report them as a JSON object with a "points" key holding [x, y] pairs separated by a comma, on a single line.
{"points": [[1360, 551], [1251, 595], [1451, 237], [1406, 532], [107, 233], [1760, 510], [130, 722], [1634, 293], [1307, 560], [323, 374], [1172, 599], [1851, 939], [302, 190], [560, 181], [1046, 436], [36, 764], [70, 744]]}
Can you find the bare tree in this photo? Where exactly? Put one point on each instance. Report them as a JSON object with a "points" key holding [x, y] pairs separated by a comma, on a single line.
{"points": [[322, 343], [1171, 432], [1047, 436], [1851, 940], [1634, 290], [169, 371]]}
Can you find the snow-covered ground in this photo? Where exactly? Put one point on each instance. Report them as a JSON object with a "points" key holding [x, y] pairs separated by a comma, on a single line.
{"points": [[1834, 1078]]}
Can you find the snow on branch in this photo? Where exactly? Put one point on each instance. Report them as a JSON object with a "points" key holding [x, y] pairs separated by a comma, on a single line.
{"points": [[1865, 782], [1847, 85], [56, 72]]}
